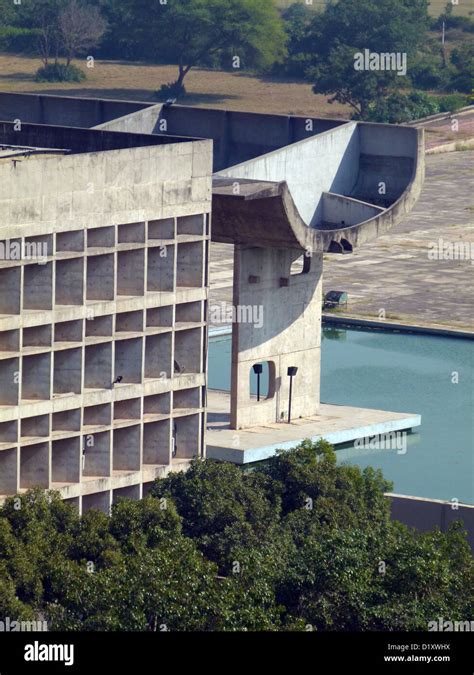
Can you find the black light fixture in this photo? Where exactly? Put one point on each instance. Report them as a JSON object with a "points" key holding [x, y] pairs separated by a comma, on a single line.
{"points": [[292, 370], [258, 369]]}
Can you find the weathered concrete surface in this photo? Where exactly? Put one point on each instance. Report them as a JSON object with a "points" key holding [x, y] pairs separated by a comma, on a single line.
{"points": [[69, 111], [336, 424], [395, 275], [95, 187], [237, 136], [91, 401], [366, 170], [328, 162], [338, 209], [144, 121], [291, 337], [311, 156]]}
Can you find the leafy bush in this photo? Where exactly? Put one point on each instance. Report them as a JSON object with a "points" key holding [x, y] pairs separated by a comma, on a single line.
{"points": [[462, 58], [428, 72], [400, 108], [463, 23], [60, 72], [452, 102], [170, 90]]}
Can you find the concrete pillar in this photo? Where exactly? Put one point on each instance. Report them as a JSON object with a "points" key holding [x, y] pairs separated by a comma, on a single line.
{"points": [[277, 320]]}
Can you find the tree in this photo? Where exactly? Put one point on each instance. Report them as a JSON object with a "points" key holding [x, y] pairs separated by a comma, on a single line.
{"points": [[80, 29], [346, 29], [222, 508], [44, 17], [186, 32], [296, 20], [399, 108], [300, 540], [462, 59], [60, 28]]}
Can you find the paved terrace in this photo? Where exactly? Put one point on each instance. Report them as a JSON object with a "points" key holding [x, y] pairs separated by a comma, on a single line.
{"points": [[394, 273], [335, 423]]}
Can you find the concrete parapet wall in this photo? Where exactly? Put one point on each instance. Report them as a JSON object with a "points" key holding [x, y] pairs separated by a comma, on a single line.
{"points": [[142, 121], [77, 140], [339, 209], [237, 136], [240, 136], [66, 111], [387, 140], [427, 514], [99, 188], [328, 162]]}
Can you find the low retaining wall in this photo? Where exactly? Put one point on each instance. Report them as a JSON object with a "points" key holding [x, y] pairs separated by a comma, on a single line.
{"points": [[427, 514]]}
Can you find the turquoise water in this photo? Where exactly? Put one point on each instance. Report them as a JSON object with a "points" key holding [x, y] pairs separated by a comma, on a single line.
{"points": [[402, 373]]}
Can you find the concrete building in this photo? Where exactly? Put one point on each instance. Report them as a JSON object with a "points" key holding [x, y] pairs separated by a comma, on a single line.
{"points": [[121, 183], [102, 309]]}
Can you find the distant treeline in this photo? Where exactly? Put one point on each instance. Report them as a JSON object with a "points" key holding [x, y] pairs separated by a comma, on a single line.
{"points": [[322, 48]]}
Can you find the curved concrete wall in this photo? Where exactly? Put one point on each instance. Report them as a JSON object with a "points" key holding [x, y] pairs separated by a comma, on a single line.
{"points": [[366, 231], [339, 209]]}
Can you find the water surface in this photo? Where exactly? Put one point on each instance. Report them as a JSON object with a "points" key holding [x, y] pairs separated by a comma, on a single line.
{"points": [[428, 375]]}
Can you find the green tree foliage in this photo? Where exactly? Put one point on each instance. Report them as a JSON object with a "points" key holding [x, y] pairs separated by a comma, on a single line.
{"points": [[222, 507], [188, 32], [398, 108], [300, 541], [346, 28], [54, 29], [462, 59], [296, 20]]}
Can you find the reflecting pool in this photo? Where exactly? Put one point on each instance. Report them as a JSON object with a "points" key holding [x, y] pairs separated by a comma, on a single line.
{"points": [[400, 372]]}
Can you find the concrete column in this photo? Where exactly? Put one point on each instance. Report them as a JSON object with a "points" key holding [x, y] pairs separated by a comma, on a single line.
{"points": [[278, 321]]}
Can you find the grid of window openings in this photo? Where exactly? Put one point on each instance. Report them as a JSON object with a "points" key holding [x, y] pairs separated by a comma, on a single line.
{"points": [[102, 358]]}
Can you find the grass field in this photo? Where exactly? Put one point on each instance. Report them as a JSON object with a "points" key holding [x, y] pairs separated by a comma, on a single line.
{"points": [[436, 6], [206, 88]]}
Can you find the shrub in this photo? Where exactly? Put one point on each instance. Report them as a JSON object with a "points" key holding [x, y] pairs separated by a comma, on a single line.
{"points": [[452, 102], [170, 90], [399, 108], [428, 73], [462, 58], [60, 72], [463, 23]]}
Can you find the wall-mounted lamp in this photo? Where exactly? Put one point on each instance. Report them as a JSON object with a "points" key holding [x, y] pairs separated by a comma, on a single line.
{"points": [[292, 370], [258, 369]]}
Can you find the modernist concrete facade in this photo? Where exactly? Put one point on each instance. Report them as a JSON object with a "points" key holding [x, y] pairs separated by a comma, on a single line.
{"points": [[286, 190], [103, 313]]}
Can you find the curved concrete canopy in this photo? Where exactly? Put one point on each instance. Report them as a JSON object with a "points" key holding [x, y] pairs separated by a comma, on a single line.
{"points": [[373, 183]]}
